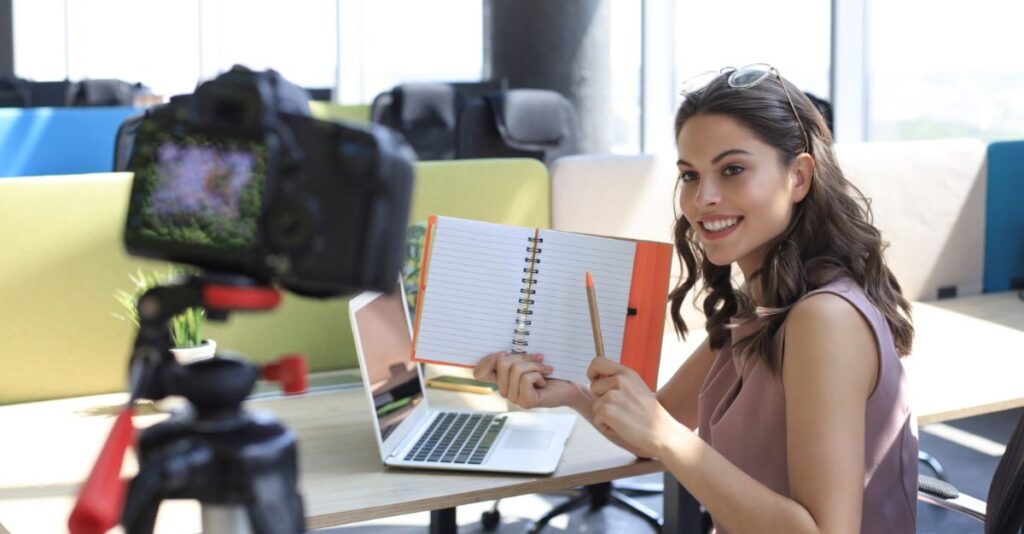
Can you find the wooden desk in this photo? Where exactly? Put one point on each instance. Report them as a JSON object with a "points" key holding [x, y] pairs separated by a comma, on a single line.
{"points": [[968, 357], [967, 360], [342, 478]]}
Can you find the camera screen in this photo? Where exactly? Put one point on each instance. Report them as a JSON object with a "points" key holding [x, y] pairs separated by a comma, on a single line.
{"points": [[203, 192]]}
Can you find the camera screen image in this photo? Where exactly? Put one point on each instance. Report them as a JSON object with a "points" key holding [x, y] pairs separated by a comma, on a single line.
{"points": [[201, 192]]}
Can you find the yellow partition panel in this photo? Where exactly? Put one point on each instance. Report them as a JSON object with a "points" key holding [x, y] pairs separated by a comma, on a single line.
{"points": [[62, 260]]}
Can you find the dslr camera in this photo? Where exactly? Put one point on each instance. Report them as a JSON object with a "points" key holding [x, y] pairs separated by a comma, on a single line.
{"points": [[239, 178]]}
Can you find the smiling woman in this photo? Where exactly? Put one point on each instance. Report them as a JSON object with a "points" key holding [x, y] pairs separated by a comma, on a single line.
{"points": [[798, 393]]}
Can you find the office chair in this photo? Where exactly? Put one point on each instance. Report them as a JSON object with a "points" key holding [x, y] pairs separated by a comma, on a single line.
{"points": [[1004, 512], [595, 496], [427, 113], [518, 123]]}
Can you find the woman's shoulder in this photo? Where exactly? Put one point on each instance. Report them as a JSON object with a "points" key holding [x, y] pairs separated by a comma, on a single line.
{"points": [[841, 306]]}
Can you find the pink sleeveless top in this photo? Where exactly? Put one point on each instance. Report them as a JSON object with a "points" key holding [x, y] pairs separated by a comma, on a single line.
{"points": [[743, 417]]}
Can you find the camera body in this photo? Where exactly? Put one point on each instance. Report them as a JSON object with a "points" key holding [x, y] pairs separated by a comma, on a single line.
{"points": [[239, 178]]}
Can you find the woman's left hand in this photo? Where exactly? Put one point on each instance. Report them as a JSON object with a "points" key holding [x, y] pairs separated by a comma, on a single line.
{"points": [[627, 408]]}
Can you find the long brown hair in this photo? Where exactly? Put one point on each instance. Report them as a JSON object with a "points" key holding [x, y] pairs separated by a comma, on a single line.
{"points": [[830, 236]]}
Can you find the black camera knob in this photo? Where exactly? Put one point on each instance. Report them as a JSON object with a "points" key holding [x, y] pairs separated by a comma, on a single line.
{"points": [[290, 225]]}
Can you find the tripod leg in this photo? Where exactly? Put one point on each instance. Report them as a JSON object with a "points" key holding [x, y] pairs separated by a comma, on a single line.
{"points": [[142, 501]]}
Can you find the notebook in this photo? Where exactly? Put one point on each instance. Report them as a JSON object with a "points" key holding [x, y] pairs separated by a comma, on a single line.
{"points": [[490, 287], [412, 434]]}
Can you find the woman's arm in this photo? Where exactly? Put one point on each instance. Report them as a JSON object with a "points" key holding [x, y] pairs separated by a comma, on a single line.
{"points": [[830, 368]]}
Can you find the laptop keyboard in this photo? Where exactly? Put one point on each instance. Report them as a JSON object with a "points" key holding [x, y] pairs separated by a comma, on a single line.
{"points": [[457, 438]]}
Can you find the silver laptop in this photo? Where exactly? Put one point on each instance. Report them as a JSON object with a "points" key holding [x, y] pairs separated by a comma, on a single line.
{"points": [[412, 434]]}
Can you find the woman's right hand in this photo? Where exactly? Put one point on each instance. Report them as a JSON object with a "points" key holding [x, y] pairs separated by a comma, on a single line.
{"points": [[522, 379]]}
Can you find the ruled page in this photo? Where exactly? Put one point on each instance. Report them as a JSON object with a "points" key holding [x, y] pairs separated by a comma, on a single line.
{"points": [[560, 327], [474, 277]]}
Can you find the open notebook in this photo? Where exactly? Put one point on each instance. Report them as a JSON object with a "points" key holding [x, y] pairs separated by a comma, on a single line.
{"points": [[490, 287]]}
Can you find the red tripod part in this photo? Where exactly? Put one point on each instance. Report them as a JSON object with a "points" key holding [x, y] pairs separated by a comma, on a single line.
{"points": [[217, 297], [100, 500], [291, 371]]}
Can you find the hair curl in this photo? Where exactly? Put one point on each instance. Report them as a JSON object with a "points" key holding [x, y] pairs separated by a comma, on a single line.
{"points": [[830, 235]]}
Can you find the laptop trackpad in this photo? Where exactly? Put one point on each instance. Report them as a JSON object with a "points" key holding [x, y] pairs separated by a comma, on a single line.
{"points": [[529, 439]]}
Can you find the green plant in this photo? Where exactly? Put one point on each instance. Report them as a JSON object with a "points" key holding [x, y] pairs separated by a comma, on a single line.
{"points": [[185, 327]]}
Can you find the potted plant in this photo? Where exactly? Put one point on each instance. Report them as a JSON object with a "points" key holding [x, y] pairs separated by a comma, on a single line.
{"points": [[186, 327]]}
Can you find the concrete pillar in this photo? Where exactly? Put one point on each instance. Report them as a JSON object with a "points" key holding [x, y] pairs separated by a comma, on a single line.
{"points": [[6, 37], [562, 45]]}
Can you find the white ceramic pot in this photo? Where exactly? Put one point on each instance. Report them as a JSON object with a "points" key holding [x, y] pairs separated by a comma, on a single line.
{"points": [[194, 354]]}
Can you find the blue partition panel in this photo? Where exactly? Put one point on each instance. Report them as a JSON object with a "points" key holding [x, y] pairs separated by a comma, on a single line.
{"points": [[43, 141], [1004, 219]]}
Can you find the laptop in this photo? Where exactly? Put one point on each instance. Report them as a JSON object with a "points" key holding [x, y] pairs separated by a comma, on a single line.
{"points": [[412, 434]]}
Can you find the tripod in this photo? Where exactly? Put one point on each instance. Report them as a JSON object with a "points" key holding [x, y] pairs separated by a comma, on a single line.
{"points": [[241, 466]]}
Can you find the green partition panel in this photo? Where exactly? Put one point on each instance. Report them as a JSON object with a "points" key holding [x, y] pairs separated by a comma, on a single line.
{"points": [[62, 261]]}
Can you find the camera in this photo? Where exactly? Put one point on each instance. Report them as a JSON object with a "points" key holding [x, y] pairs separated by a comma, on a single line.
{"points": [[239, 178]]}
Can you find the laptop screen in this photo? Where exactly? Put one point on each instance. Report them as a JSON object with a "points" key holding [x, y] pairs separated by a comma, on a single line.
{"points": [[386, 345]]}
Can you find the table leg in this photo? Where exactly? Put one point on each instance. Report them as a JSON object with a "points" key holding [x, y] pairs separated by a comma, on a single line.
{"points": [[443, 521], [681, 511]]}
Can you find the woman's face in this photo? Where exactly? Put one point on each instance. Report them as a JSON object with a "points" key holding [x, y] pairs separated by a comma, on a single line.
{"points": [[734, 191]]}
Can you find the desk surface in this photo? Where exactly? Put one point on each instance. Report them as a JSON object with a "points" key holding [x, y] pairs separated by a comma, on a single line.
{"points": [[962, 366], [967, 359], [342, 478]]}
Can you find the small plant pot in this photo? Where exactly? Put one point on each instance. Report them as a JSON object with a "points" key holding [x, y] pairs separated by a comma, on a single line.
{"points": [[189, 355]]}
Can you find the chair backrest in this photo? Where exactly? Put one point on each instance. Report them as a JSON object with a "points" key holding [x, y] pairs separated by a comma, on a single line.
{"points": [[101, 93], [53, 94], [531, 123], [1005, 510], [14, 92], [425, 113]]}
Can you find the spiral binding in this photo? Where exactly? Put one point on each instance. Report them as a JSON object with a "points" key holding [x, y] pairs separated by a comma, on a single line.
{"points": [[523, 311]]}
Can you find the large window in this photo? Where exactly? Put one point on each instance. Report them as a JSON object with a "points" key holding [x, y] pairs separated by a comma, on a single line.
{"points": [[387, 42], [792, 35], [362, 47], [155, 42], [297, 39], [949, 71]]}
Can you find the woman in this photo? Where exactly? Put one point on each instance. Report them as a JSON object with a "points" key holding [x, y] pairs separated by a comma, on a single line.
{"points": [[798, 392]]}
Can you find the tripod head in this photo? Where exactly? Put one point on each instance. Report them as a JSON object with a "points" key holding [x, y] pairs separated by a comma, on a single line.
{"points": [[216, 452]]}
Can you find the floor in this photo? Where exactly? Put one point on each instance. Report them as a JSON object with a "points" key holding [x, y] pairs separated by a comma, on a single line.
{"points": [[968, 449]]}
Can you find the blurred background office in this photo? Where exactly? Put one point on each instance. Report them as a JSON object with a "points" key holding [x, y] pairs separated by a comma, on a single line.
{"points": [[906, 69], [891, 70]]}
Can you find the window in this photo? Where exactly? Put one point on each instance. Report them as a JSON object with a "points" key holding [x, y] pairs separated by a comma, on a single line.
{"points": [[624, 76], [299, 40], [957, 75], [792, 35], [155, 42], [388, 42]]}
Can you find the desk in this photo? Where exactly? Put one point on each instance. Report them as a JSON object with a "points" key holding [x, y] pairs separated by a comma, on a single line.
{"points": [[342, 478], [969, 355]]}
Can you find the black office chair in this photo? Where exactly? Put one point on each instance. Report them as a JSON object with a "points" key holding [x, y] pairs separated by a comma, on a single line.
{"points": [[427, 113], [1004, 513], [518, 123]]}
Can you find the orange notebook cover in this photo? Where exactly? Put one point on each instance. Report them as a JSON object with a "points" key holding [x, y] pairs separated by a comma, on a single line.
{"points": [[489, 288]]}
